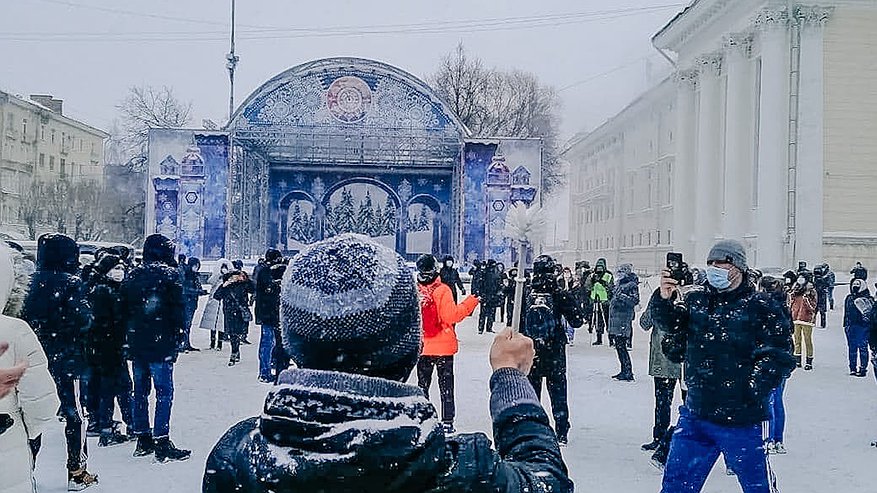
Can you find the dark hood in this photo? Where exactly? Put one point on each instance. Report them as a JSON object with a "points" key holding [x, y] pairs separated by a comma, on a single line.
{"points": [[58, 253], [330, 431], [159, 248]]}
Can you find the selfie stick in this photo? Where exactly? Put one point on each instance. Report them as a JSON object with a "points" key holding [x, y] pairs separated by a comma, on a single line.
{"points": [[525, 226]]}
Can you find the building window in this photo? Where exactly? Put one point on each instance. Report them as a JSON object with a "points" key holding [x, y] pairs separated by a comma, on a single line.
{"points": [[43, 133], [23, 128], [53, 135], [63, 168], [659, 237], [51, 163], [640, 242], [80, 145], [42, 161], [669, 240], [9, 119]]}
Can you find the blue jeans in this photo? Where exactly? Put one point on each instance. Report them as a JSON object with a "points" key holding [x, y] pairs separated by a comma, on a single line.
{"points": [[777, 422], [857, 343], [266, 347], [696, 446], [161, 375]]}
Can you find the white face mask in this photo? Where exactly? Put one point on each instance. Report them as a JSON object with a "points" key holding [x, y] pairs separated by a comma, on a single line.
{"points": [[117, 274]]}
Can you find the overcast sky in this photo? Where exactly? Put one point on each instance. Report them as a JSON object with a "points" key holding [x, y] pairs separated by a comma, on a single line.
{"points": [[88, 52]]}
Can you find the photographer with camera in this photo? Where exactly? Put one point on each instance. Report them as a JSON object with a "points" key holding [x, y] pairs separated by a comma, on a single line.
{"points": [[545, 309], [600, 285], [737, 347]]}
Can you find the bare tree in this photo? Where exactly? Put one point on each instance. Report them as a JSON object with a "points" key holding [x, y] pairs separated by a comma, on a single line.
{"points": [[492, 102], [33, 207], [88, 211], [143, 108]]}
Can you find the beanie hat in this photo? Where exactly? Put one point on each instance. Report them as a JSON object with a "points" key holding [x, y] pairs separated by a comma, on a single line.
{"points": [[731, 251], [106, 262], [349, 304], [57, 252], [425, 263], [159, 248], [273, 255]]}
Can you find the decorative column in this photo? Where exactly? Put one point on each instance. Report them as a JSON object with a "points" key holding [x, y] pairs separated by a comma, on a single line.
{"points": [[773, 138], [809, 203], [709, 156], [190, 239], [684, 169], [738, 136], [167, 198]]}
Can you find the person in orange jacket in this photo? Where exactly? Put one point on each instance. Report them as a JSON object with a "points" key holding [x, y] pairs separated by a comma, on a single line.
{"points": [[439, 313]]}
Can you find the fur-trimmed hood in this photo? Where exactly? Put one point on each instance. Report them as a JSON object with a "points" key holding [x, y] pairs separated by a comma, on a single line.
{"points": [[15, 272]]}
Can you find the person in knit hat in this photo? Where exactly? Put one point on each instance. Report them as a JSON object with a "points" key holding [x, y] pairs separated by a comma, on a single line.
{"points": [[439, 312], [736, 344], [345, 421]]}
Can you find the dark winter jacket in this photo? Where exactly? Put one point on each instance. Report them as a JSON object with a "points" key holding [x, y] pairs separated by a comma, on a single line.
{"points": [[153, 306], [853, 317], [235, 294], [491, 287], [859, 273], [625, 297], [267, 297], [192, 288], [451, 277], [56, 306], [565, 308], [329, 432], [107, 335], [737, 347]]}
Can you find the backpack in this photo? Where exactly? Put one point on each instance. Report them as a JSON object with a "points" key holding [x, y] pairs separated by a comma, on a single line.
{"points": [[429, 310], [540, 321]]}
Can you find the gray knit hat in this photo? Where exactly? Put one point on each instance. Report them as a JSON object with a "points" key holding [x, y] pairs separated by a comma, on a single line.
{"points": [[349, 304], [731, 251]]}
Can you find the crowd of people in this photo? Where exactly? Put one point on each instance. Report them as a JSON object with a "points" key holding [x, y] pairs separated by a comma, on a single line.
{"points": [[344, 324]]}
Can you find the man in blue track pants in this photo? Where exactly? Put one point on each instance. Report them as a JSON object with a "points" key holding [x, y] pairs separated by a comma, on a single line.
{"points": [[736, 344]]}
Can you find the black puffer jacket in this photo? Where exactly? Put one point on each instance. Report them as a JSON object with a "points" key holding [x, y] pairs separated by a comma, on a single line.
{"points": [[153, 306], [737, 347], [107, 335], [451, 277], [56, 305], [330, 432], [622, 305], [267, 297]]}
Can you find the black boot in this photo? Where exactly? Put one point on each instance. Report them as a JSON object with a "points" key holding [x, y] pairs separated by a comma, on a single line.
{"points": [[651, 446], [109, 438], [809, 365], [798, 360], [145, 445], [166, 451]]}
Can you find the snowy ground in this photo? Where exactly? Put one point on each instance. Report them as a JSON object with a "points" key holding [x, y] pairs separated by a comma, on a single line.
{"points": [[831, 421]]}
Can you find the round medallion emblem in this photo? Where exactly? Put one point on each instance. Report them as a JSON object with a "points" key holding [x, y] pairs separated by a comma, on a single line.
{"points": [[349, 99]]}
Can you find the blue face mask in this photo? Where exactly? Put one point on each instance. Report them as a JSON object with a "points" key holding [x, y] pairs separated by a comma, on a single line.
{"points": [[718, 277]]}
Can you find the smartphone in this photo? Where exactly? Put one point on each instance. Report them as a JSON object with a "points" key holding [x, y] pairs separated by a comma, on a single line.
{"points": [[674, 265]]}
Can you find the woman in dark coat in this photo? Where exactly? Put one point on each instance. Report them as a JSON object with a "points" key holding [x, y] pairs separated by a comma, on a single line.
{"points": [[625, 297], [234, 292], [109, 378]]}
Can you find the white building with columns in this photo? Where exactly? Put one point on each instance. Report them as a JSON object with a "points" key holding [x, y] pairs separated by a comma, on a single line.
{"points": [[775, 138]]}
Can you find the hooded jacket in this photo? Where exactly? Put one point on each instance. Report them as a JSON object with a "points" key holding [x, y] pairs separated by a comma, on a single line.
{"points": [[267, 306], [802, 302], [33, 404], [211, 317], [106, 338], [625, 297], [234, 292], [853, 316], [737, 348], [56, 306], [444, 342], [330, 432], [153, 306], [451, 277]]}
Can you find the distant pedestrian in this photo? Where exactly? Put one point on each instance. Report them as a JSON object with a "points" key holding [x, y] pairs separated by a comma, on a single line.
{"points": [[234, 292], [601, 285], [451, 277], [625, 297], [802, 302], [859, 272], [858, 315], [192, 291], [267, 304], [212, 318]]}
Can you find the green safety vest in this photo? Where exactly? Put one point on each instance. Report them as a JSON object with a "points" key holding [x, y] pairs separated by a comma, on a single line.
{"points": [[598, 291]]}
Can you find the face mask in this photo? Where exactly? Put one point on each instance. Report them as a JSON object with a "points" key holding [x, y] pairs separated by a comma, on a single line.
{"points": [[117, 274], [567, 275], [801, 281], [718, 277], [449, 264]]}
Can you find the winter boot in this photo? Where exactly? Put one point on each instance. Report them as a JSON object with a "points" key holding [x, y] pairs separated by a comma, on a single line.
{"points": [[92, 430], [145, 445], [563, 439], [109, 438], [809, 365], [651, 446], [779, 448], [599, 341], [80, 479], [166, 451], [862, 372], [798, 360]]}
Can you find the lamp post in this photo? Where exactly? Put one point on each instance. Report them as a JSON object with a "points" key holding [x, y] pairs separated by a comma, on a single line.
{"points": [[231, 63]]}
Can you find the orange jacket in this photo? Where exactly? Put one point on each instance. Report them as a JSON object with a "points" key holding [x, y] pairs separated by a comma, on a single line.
{"points": [[803, 305], [444, 343]]}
